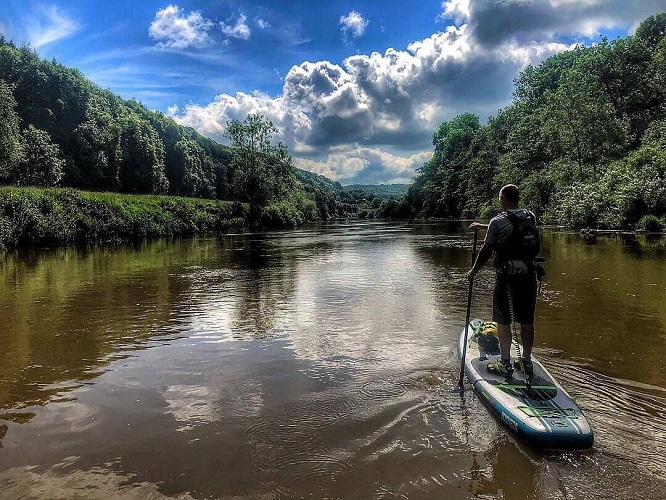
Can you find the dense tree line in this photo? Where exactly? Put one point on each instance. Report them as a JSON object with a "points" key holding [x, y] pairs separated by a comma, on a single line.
{"points": [[584, 138], [59, 129], [381, 191], [378, 201]]}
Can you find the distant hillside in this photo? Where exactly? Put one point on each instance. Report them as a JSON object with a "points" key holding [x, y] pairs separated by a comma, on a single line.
{"points": [[326, 193], [381, 191]]}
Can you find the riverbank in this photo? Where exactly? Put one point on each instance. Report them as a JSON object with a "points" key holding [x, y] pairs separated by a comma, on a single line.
{"points": [[45, 217], [56, 217]]}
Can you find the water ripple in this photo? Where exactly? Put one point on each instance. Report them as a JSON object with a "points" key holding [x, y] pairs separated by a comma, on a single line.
{"points": [[628, 418]]}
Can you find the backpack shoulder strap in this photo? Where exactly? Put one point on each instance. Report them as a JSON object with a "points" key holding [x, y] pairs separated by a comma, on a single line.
{"points": [[514, 219], [517, 220]]}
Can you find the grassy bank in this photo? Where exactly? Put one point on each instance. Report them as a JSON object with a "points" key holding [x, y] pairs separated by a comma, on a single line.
{"points": [[56, 217]]}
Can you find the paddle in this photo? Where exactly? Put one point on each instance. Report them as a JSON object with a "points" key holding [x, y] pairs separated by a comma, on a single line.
{"points": [[460, 387]]}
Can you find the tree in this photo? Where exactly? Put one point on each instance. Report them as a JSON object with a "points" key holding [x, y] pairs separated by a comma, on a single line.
{"points": [[653, 29], [583, 122], [95, 145], [142, 160], [262, 171], [626, 75], [41, 164], [535, 82], [10, 140], [437, 187], [195, 170]]}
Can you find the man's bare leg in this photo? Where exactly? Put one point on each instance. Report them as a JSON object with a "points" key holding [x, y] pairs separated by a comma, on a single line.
{"points": [[527, 336], [504, 335]]}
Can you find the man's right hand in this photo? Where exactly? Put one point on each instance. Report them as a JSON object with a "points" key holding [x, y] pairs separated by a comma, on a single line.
{"points": [[475, 226]]}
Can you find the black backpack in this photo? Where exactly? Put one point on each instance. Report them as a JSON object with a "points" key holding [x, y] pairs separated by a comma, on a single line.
{"points": [[524, 242]]}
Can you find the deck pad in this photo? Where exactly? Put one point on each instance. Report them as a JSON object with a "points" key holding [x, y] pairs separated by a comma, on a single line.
{"points": [[540, 387]]}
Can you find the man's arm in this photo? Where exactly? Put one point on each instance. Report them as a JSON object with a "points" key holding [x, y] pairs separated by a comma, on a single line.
{"points": [[484, 254], [475, 226]]}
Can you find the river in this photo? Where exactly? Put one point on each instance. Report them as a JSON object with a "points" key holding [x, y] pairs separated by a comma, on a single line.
{"points": [[317, 363]]}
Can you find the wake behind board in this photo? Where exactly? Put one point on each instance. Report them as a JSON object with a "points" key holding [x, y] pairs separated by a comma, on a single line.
{"points": [[539, 412]]}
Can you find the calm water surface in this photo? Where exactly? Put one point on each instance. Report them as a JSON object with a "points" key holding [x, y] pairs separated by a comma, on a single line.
{"points": [[316, 363]]}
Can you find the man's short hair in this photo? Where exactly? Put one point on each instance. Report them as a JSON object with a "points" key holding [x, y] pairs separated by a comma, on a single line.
{"points": [[510, 193]]}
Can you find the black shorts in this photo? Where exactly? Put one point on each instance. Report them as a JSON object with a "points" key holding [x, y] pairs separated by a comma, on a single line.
{"points": [[524, 292]]}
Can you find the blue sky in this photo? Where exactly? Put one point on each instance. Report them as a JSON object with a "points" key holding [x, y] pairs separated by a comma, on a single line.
{"points": [[356, 88]]}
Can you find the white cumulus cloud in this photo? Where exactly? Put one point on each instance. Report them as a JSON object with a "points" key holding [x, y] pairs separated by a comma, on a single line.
{"points": [[366, 166], [457, 10], [262, 23], [172, 28], [373, 103], [239, 29], [353, 25]]}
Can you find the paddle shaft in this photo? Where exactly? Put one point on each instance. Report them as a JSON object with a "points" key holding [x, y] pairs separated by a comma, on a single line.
{"points": [[469, 309]]}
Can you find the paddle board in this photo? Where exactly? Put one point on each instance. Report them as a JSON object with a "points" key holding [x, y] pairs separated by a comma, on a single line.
{"points": [[539, 412]]}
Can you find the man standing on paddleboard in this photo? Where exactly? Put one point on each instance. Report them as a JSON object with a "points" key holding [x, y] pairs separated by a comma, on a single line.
{"points": [[514, 240]]}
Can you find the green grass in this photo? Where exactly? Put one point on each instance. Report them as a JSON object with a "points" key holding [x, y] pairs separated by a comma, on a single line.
{"points": [[41, 217]]}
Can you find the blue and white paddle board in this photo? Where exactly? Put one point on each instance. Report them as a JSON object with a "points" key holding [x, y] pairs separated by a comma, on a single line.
{"points": [[540, 412]]}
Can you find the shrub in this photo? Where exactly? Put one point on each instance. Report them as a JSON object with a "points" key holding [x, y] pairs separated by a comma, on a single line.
{"points": [[281, 214], [48, 217], [651, 223], [628, 190]]}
